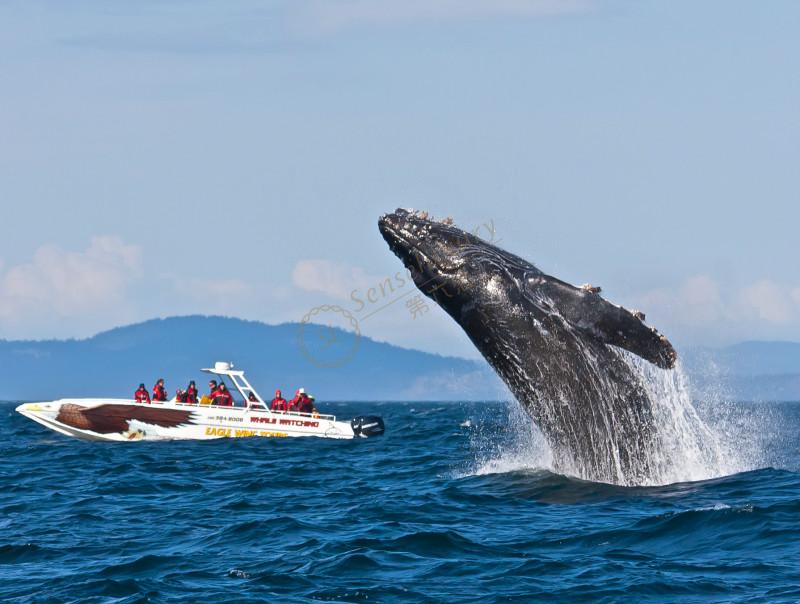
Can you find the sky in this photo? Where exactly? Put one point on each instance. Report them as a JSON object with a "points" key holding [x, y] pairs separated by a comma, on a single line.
{"points": [[175, 157]]}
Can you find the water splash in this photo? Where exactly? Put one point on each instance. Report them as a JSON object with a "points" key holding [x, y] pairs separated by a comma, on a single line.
{"points": [[685, 448], [690, 443], [507, 444]]}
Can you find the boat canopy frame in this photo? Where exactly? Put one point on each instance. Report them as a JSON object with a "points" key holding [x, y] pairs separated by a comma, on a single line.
{"points": [[239, 381], [244, 387]]}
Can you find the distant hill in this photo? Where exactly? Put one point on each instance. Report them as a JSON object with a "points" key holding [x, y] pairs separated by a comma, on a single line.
{"points": [[755, 371], [331, 363]]}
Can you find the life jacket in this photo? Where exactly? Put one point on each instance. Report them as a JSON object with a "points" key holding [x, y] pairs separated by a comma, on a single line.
{"points": [[294, 403], [223, 398], [305, 406], [180, 395], [159, 393], [191, 395], [279, 404], [141, 396]]}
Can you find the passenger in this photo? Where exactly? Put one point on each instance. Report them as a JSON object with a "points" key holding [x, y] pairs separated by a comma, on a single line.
{"points": [[208, 399], [180, 395], [191, 393], [294, 404], [279, 403], [253, 402], [141, 395], [214, 394], [159, 391], [307, 404], [223, 396]]}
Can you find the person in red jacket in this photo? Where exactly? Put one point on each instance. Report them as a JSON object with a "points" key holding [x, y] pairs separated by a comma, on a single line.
{"points": [[159, 391], [279, 403], [141, 395], [191, 393], [306, 404], [294, 404], [213, 391], [223, 396]]}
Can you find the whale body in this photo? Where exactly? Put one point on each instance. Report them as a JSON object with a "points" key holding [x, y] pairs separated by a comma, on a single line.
{"points": [[561, 350]]}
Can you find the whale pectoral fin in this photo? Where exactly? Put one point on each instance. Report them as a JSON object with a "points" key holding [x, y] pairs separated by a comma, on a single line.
{"points": [[610, 323], [622, 328]]}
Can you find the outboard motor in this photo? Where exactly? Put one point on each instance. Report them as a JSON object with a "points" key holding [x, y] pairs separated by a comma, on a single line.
{"points": [[367, 425]]}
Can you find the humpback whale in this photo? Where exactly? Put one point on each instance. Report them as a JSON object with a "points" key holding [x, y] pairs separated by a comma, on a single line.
{"points": [[563, 351]]}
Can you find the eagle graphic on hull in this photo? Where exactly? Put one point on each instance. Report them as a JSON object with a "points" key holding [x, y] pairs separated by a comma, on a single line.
{"points": [[108, 419]]}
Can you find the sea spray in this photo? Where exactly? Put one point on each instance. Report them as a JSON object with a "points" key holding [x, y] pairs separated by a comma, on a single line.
{"points": [[507, 444], [690, 442], [684, 448]]}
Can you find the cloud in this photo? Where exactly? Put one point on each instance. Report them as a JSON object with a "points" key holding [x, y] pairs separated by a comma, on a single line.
{"points": [[330, 15], [700, 305], [334, 279], [696, 301], [58, 284], [700, 296], [769, 302]]}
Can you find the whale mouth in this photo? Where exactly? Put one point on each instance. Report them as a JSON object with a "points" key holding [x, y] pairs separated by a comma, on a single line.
{"points": [[389, 227], [412, 237], [402, 230]]}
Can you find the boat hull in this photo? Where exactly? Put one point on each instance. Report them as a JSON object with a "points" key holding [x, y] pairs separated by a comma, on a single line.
{"points": [[125, 420]]}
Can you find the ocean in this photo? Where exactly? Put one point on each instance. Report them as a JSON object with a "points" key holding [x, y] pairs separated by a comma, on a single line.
{"points": [[454, 504]]}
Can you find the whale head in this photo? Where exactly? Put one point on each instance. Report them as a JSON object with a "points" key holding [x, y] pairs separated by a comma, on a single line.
{"points": [[451, 266], [487, 289]]}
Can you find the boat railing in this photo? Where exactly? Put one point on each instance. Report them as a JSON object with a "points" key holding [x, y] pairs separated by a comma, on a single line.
{"points": [[324, 416], [299, 413]]}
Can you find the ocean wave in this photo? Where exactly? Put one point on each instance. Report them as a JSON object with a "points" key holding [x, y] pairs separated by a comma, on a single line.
{"points": [[426, 514]]}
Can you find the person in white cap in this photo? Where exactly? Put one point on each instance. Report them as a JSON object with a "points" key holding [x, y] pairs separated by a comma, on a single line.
{"points": [[307, 404], [294, 404]]}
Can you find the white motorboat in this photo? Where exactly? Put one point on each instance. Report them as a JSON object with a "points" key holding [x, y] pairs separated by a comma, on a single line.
{"points": [[128, 420]]}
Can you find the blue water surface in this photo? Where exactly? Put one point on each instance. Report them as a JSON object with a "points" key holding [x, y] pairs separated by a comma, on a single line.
{"points": [[409, 517]]}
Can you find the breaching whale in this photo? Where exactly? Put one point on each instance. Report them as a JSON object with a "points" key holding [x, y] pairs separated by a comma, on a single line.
{"points": [[558, 348]]}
